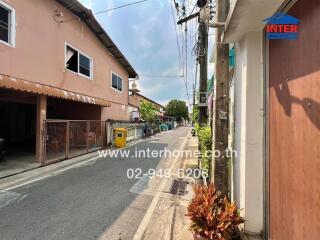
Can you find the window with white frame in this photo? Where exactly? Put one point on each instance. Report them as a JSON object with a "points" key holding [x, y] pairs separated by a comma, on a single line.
{"points": [[7, 24], [78, 62], [116, 82]]}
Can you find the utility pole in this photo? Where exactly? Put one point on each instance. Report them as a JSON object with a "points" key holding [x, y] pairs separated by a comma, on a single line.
{"points": [[193, 95], [203, 63], [203, 16], [220, 171], [195, 84]]}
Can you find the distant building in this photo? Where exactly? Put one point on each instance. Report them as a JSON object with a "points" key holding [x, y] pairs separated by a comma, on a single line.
{"points": [[135, 99]]}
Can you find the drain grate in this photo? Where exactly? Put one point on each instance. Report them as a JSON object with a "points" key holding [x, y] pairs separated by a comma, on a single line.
{"points": [[178, 187]]}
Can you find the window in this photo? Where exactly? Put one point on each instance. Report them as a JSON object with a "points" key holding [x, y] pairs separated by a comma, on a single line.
{"points": [[116, 82], [7, 24], [77, 62]]}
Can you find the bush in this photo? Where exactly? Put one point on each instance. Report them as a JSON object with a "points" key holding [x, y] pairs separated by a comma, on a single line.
{"points": [[197, 128], [213, 217], [205, 142], [195, 114], [205, 137]]}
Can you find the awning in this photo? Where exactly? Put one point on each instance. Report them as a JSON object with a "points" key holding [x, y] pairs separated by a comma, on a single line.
{"points": [[247, 16], [9, 82]]}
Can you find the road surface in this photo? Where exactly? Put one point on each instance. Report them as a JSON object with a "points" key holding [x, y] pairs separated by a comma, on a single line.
{"points": [[85, 202]]}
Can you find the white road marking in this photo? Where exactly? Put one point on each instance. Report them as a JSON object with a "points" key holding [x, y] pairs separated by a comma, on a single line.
{"points": [[50, 174], [7, 197], [53, 173]]}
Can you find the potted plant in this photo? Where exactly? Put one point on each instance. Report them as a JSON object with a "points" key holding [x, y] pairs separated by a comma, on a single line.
{"points": [[213, 216]]}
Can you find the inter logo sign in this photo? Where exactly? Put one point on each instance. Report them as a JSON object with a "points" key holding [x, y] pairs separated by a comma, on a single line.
{"points": [[282, 26]]}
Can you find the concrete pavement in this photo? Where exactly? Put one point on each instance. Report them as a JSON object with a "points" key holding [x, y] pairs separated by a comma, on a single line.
{"points": [[86, 201]]}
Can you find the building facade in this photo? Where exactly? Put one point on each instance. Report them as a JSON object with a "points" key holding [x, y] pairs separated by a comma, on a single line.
{"points": [[57, 63], [276, 119], [135, 100]]}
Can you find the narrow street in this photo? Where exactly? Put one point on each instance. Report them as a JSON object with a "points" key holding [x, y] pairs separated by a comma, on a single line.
{"points": [[85, 202], [159, 120]]}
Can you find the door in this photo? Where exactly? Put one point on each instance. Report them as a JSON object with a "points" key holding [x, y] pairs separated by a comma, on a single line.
{"points": [[294, 123]]}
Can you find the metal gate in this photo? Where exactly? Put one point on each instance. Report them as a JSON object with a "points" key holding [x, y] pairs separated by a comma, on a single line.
{"points": [[294, 123], [70, 138]]}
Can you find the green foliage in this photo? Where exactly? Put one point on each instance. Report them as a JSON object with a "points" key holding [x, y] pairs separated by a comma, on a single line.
{"points": [[205, 142], [178, 109], [213, 217], [197, 128], [148, 111], [205, 137], [205, 160], [195, 114]]}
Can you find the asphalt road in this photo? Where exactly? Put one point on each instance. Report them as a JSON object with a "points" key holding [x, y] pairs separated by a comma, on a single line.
{"points": [[84, 202]]}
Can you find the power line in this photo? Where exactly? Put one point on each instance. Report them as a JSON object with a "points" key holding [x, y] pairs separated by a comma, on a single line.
{"points": [[122, 6], [177, 38], [186, 62], [110, 9], [162, 76], [193, 8]]}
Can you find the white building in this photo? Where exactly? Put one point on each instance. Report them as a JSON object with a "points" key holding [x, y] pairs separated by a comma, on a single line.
{"points": [[244, 29]]}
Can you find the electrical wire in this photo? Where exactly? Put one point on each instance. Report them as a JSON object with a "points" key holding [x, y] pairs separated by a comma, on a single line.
{"points": [[107, 10], [186, 62], [122, 6], [194, 7], [177, 37], [162, 76]]}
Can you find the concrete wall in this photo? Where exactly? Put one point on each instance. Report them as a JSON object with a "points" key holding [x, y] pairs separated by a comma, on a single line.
{"points": [[39, 52], [116, 112], [248, 135]]}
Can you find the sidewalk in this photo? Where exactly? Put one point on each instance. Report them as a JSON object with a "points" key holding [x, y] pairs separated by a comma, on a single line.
{"points": [[168, 220], [181, 223]]}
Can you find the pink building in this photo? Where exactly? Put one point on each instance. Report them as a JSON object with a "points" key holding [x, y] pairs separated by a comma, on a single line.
{"points": [[57, 63]]}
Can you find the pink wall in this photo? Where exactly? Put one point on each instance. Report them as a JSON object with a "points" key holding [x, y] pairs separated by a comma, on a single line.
{"points": [[39, 54], [116, 112]]}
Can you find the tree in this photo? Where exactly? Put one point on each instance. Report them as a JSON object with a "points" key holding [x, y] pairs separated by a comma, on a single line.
{"points": [[148, 111], [178, 109]]}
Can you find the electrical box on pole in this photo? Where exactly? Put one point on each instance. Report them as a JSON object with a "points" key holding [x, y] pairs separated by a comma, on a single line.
{"points": [[203, 16]]}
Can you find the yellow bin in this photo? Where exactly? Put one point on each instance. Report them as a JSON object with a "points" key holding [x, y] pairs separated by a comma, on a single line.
{"points": [[120, 137]]}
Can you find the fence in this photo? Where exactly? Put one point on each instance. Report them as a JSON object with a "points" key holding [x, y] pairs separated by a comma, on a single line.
{"points": [[135, 130], [69, 138]]}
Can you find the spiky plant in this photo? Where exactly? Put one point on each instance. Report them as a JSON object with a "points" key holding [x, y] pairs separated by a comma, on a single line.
{"points": [[213, 216]]}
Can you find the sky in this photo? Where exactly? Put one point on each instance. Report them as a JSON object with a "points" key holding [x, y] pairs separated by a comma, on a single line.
{"points": [[145, 33]]}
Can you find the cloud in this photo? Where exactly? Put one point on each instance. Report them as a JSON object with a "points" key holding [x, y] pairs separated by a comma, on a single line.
{"points": [[145, 33]]}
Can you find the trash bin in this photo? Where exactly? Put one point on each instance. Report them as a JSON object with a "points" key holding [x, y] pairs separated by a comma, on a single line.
{"points": [[120, 137], [163, 127]]}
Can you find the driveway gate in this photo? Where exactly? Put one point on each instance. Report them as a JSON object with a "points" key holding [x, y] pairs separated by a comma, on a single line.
{"points": [[70, 138]]}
